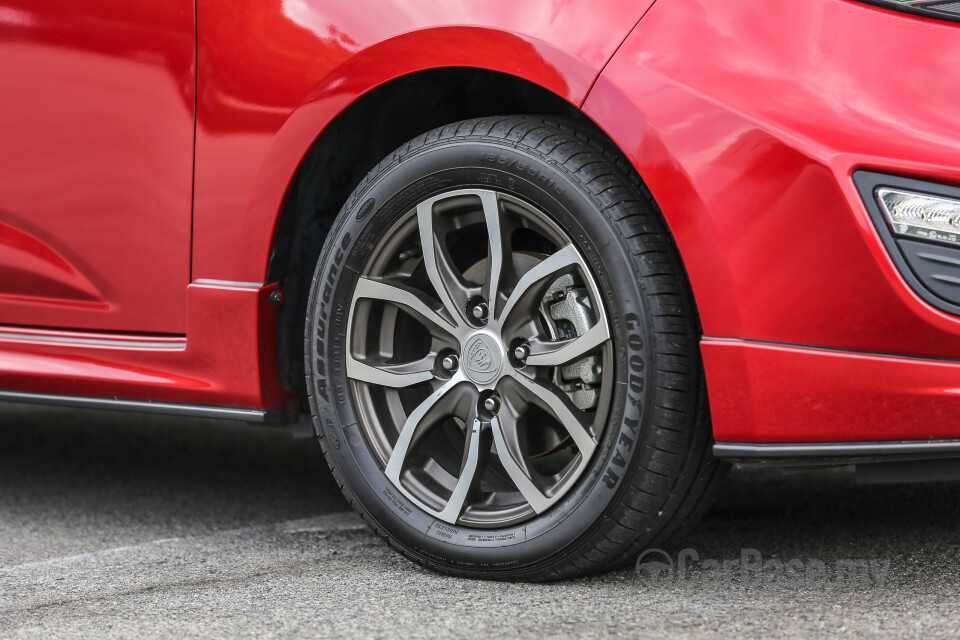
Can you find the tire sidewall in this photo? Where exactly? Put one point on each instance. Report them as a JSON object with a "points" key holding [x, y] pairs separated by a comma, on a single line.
{"points": [[368, 215]]}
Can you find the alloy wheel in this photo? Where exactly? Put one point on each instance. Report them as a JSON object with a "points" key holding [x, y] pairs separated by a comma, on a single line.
{"points": [[479, 354]]}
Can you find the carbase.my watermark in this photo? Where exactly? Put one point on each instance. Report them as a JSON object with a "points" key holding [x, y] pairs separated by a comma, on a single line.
{"points": [[656, 567]]}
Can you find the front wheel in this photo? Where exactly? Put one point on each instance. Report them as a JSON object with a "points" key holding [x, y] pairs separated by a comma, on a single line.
{"points": [[502, 356]]}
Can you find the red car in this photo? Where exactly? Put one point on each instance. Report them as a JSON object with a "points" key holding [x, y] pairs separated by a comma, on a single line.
{"points": [[539, 270]]}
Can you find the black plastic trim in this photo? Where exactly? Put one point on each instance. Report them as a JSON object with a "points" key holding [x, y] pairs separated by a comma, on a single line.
{"points": [[867, 182], [928, 11], [821, 449], [146, 406], [834, 453]]}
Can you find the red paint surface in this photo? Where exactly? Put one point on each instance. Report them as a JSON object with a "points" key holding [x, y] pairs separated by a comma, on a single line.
{"points": [[274, 74], [749, 152], [746, 124], [767, 393], [229, 358], [96, 148], [748, 138]]}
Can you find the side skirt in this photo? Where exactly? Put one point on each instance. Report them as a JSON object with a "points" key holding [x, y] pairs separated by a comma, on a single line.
{"points": [[748, 454], [227, 359], [146, 406]]}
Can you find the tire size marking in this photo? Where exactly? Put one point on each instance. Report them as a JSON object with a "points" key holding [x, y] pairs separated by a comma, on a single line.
{"points": [[524, 167]]}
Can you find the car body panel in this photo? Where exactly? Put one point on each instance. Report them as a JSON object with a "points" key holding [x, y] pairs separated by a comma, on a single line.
{"points": [[759, 196], [260, 107], [780, 393], [758, 192], [745, 124], [228, 358], [96, 124]]}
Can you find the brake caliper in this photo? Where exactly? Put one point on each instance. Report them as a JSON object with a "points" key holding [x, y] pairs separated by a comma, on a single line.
{"points": [[569, 313]]}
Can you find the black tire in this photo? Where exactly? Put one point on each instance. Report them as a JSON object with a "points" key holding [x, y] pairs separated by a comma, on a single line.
{"points": [[652, 470]]}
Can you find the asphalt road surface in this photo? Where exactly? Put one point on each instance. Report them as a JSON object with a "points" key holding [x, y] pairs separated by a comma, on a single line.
{"points": [[119, 525]]}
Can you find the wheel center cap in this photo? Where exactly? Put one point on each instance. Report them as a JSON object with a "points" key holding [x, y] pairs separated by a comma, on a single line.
{"points": [[482, 358]]}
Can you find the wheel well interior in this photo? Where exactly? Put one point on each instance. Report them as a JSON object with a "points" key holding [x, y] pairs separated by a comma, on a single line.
{"points": [[351, 146]]}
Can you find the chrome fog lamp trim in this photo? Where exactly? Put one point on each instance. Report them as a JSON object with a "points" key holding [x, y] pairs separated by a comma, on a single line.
{"points": [[921, 215]]}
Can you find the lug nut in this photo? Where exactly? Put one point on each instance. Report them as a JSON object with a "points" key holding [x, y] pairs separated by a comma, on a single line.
{"points": [[450, 363], [521, 352], [480, 310], [492, 404]]}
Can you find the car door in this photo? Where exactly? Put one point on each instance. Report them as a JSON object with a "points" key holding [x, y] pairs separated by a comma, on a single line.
{"points": [[97, 103]]}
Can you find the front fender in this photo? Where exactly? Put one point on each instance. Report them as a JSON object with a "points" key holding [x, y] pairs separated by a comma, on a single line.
{"points": [[272, 78]]}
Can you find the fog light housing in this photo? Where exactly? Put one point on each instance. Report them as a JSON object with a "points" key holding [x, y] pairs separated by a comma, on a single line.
{"points": [[919, 224], [942, 9], [921, 215]]}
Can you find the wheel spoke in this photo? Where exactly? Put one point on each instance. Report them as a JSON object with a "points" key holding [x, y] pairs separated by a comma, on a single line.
{"points": [[427, 413], [410, 299], [570, 417], [468, 472], [497, 295], [511, 459], [551, 267], [514, 438], [496, 245], [554, 354], [391, 375], [441, 273]]}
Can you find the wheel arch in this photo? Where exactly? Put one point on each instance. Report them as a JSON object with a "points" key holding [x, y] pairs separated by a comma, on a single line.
{"points": [[353, 142], [408, 103], [621, 116]]}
